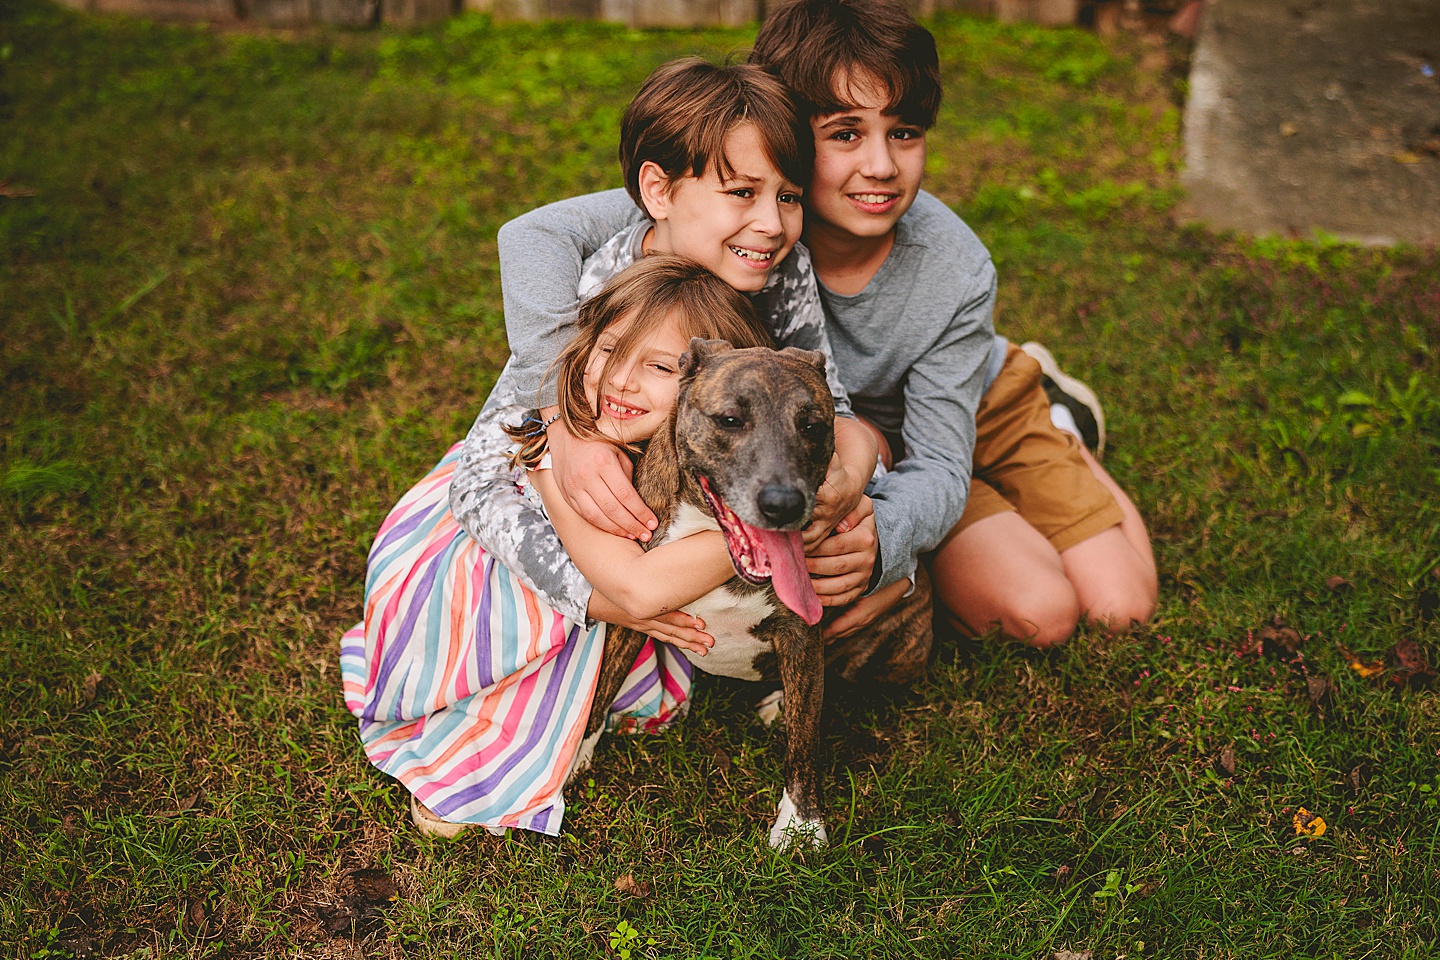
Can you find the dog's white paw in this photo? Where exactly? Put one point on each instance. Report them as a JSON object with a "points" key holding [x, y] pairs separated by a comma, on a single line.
{"points": [[584, 754], [793, 830], [771, 708]]}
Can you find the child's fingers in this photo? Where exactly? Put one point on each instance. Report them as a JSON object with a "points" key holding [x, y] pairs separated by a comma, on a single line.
{"points": [[682, 630], [845, 624], [630, 507]]}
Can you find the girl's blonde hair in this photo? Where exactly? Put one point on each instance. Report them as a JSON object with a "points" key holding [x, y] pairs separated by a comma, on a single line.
{"points": [[651, 291]]}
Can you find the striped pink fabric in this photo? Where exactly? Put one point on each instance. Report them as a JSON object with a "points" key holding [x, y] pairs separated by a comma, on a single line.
{"points": [[468, 688]]}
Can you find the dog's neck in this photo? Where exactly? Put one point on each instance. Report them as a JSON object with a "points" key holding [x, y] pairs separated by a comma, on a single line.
{"points": [[660, 478]]}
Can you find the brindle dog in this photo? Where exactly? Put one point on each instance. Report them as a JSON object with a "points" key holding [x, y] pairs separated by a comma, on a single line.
{"points": [[748, 445]]}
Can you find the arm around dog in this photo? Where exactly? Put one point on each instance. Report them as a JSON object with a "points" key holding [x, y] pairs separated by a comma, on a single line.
{"points": [[645, 584]]}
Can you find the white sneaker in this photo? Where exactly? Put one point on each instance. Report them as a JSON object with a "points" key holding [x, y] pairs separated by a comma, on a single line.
{"points": [[1074, 395]]}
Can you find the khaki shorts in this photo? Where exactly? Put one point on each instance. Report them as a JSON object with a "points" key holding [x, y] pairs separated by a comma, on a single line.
{"points": [[1025, 464]]}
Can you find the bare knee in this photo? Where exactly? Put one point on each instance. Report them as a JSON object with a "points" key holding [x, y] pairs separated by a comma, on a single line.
{"points": [[1120, 606], [1042, 619]]}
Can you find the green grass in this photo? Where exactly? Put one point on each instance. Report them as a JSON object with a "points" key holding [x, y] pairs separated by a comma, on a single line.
{"points": [[254, 296]]}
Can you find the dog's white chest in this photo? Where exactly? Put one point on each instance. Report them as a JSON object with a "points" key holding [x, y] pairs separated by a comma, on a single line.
{"points": [[730, 616]]}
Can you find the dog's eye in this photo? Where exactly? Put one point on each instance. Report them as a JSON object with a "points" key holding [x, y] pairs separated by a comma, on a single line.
{"points": [[816, 432], [727, 422]]}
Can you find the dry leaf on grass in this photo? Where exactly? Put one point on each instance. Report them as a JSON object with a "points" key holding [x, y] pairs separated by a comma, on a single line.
{"points": [[628, 885], [1072, 955], [1409, 664], [1337, 584], [1281, 639], [1225, 763], [1366, 669], [184, 806], [1308, 824], [89, 688]]}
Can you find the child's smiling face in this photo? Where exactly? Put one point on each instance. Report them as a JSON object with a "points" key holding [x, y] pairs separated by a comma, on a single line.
{"points": [[738, 227], [633, 398], [868, 165]]}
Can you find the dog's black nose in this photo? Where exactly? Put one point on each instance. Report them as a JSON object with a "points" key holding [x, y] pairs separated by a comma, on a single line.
{"points": [[781, 505]]}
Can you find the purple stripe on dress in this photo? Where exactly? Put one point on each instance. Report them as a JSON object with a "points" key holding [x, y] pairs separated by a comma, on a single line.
{"points": [[641, 689], [395, 649], [484, 668], [541, 820], [402, 528], [539, 729], [352, 650]]}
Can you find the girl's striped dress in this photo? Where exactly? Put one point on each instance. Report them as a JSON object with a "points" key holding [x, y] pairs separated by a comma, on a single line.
{"points": [[469, 689]]}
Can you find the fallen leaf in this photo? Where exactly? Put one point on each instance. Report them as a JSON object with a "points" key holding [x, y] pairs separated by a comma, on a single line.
{"points": [[1072, 955], [1354, 779], [1337, 583], [722, 760], [1405, 156], [1276, 639], [1288, 129], [1366, 670], [1225, 763], [628, 885], [184, 806], [1318, 686], [1410, 664], [14, 191], [1308, 824], [89, 688]]}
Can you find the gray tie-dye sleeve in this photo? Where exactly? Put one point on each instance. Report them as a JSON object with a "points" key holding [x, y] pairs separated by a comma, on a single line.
{"points": [[789, 304], [486, 501]]}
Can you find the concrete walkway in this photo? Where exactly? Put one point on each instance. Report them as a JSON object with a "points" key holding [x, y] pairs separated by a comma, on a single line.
{"points": [[1317, 114]]}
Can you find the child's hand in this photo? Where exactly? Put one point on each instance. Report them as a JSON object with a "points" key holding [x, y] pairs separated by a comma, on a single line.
{"points": [[594, 478], [865, 611], [678, 628], [850, 470], [841, 566]]}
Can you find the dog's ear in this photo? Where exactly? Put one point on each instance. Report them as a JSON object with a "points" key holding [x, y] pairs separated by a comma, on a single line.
{"points": [[700, 351], [813, 357]]}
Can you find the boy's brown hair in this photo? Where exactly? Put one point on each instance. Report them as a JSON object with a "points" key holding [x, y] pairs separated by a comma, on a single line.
{"points": [[820, 48], [686, 109], [650, 291]]}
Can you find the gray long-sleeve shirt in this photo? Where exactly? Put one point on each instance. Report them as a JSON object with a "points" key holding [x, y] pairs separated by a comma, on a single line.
{"points": [[916, 349]]}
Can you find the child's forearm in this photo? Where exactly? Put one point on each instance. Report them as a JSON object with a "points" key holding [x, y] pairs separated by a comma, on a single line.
{"points": [[670, 576], [856, 449], [645, 584]]}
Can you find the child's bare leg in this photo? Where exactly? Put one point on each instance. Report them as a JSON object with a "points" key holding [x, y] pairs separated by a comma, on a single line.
{"points": [[1113, 572], [1000, 570]]}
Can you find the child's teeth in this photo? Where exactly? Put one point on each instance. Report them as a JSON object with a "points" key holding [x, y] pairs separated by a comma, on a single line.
{"points": [[871, 197], [751, 254]]}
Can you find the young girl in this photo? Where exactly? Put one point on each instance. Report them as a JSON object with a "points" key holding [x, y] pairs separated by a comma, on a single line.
{"points": [[470, 689]]}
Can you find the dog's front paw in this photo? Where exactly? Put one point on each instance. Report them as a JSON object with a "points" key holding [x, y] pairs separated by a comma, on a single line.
{"points": [[792, 830]]}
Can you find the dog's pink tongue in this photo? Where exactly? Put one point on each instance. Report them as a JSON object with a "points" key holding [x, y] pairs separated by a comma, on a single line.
{"points": [[787, 571]]}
